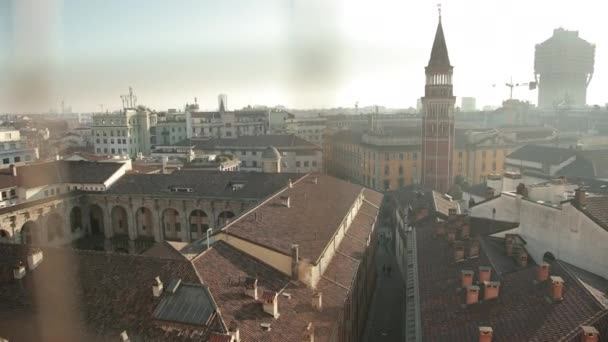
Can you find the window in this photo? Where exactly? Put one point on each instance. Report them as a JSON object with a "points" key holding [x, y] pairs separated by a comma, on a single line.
{"points": [[6, 161], [459, 154], [386, 170], [306, 163], [13, 193], [3, 194], [98, 140], [401, 182], [400, 156], [494, 153], [400, 170], [387, 184], [253, 153], [415, 156], [46, 193], [493, 166], [244, 163], [483, 167], [298, 163], [178, 226], [17, 159], [483, 154], [254, 163], [314, 163]]}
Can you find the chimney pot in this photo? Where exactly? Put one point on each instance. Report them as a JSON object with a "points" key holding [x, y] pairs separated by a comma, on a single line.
{"points": [[485, 273], [466, 277], [458, 251], [490, 289], [290, 183], [485, 334], [317, 301], [285, 201], [270, 303], [295, 261], [124, 337], [474, 249], [251, 287], [557, 287], [157, 288], [542, 272], [309, 333], [580, 197], [19, 271], [589, 334], [233, 330], [472, 294], [315, 180], [13, 169]]}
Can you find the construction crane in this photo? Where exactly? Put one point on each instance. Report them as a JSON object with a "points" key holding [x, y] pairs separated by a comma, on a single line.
{"points": [[511, 85]]}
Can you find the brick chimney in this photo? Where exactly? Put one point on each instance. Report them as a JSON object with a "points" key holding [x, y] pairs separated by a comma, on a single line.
{"points": [[251, 287], [542, 272], [451, 236], [157, 287], [452, 212], [509, 244], [485, 334], [458, 251], [466, 278], [580, 197], [589, 334], [490, 289], [485, 273], [522, 258], [472, 294], [557, 288], [270, 303], [19, 271], [34, 258], [233, 330], [474, 249], [317, 301], [295, 261], [465, 230]]}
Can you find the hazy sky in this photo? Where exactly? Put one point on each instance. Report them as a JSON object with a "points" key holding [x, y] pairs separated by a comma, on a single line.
{"points": [[298, 53]]}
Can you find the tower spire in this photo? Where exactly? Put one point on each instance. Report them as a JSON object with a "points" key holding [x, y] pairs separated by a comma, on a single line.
{"points": [[439, 10], [439, 52]]}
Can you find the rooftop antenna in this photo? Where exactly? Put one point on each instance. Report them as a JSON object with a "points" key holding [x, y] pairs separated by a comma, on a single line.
{"points": [[357, 107], [195, 100]]}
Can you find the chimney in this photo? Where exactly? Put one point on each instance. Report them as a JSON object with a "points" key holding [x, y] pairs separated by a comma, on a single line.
{"points": [[474, 249], [522, 259], [251, 287], [557, 287], [309, 333], [34, 258], [270, 303], [458, 251], [589, 334], [485, 273], [485, 334], [580, 197], [13, 170], [472, 294], [509, 244], [489, 192], [490, 289], [124, 337], [290, 183], [19, 271], [542, 272], [317, 301], [285, 201], [164, 167], [315, 180], [233, 330], [295, 261], [451, 236], [157, 288], [452, 214], [466, 278], [465, 230]]}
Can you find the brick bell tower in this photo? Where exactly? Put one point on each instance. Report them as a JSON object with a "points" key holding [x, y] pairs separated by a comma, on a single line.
{"points": [[438, 117]]}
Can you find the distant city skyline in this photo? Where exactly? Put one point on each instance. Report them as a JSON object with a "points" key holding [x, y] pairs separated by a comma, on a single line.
{"points": [[300, 54]]}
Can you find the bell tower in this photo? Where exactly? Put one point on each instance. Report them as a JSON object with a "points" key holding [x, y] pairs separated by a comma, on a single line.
{"points": [[438, 117]]}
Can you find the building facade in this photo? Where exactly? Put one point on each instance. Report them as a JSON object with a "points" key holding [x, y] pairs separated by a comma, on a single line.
{"points": [[124, 133], [438, 118], [14, 150]]}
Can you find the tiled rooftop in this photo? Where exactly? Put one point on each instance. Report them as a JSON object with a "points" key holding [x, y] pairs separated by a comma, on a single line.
{"points": [[522, 311], [597, 207], [251, 142], [39, 174], [315, 213], [204, 184]]}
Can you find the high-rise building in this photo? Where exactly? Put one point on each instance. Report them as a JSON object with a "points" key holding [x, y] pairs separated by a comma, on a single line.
{"points": [[438, 117], [563, 66], [468, 104]]}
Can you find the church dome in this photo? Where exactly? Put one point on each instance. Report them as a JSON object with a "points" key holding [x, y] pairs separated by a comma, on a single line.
{"points": [[271, 153]]}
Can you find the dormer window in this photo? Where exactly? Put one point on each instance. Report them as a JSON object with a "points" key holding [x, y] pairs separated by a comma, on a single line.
{"points": [[181, 189]]}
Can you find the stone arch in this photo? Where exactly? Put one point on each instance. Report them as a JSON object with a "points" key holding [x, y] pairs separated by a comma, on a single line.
{"points": [[96, 219], [30, 233], [5, 236], [171, 224], [224, 218], [120, 221], [199, 223], [143, 222], [548, 257], [54, 227], [75, 219]]}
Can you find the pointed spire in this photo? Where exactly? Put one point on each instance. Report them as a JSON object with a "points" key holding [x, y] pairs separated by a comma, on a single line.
{"points": [[439, 53]]}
